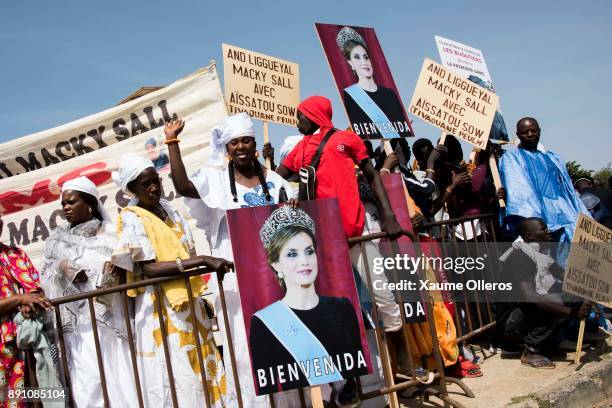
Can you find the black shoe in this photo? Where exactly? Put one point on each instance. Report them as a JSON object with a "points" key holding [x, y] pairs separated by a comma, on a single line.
{"points": [[348, 397]]}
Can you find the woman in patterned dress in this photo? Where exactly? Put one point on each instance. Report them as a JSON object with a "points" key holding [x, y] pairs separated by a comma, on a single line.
{"points": [[19, 289]]}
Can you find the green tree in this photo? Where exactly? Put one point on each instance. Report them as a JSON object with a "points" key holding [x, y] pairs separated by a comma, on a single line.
{"points": [[604, 174], [576, 171]]}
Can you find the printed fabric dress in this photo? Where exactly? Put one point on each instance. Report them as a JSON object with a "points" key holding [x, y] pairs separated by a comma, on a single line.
{"points": [[17, 276], [86, 247], [209, 211], [144, 237]]}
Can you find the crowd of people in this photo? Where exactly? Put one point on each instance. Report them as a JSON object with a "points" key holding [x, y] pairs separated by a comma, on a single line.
{"points": [[152, 239]]}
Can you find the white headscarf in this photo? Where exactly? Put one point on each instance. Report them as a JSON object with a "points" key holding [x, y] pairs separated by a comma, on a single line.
{"points": [[288, 144], [85, 185], [232, 127], [131, 166]]}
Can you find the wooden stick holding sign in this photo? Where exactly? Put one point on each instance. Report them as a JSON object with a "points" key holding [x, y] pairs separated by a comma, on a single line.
{"points": [[579, 343], [442, 138], [387, 147], [496, 178], [474, 155], [266, 139], [316, 397]]}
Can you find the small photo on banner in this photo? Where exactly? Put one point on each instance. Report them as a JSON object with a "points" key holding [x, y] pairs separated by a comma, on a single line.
{"points": [[364, 80], [299, 301]]}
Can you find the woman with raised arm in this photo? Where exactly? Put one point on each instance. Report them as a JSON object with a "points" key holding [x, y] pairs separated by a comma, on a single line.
{"points": [[243, 182], [76, 258], [155, 241]]}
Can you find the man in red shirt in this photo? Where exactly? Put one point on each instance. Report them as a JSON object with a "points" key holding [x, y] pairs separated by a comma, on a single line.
{"points": [[336, 178], [336, 172]]}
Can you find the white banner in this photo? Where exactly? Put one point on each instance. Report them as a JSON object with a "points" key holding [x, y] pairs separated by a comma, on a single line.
{"points": [[72, 140], [464, 60], [29, 202]]}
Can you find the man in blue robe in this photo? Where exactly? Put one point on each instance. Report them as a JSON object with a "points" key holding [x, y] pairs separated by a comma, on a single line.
{"points": [[538, 185]]}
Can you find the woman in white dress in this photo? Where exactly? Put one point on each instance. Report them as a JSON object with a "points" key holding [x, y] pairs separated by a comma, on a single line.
{"points": [[74, 258], [212, 190], [155, 241]]}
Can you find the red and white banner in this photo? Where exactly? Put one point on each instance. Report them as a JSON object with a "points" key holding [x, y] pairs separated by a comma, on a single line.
{"points": [[29, 201]]}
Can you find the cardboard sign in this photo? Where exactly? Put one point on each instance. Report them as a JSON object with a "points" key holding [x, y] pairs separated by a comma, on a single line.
{"points": [[588, 272], [454, 104], [265, 87], [464, 60], [364, 80], [469, 62]]}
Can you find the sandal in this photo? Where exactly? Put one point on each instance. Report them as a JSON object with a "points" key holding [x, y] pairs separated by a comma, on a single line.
{"points": [[458, 371], [424, 376], [470, 373], [467, 364], [536, 360]]}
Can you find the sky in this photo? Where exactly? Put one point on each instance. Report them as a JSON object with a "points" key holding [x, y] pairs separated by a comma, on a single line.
{"points": [[62, 60]]}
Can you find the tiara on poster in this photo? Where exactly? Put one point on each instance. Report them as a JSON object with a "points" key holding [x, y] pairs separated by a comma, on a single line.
{"points": [[283, 217], [347, 33]]}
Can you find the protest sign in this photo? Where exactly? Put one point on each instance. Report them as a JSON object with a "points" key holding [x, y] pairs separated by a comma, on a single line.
{"points": [[267, 88], [412, 309], [298, 295], [464, 60], [74, 139], [469, 62], [29, 202], [453, 104], [365, 83], [588, 272]]}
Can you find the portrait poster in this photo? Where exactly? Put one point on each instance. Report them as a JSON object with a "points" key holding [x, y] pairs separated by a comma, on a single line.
{"points": [[299, 301], [411, 306], [365, 83]]}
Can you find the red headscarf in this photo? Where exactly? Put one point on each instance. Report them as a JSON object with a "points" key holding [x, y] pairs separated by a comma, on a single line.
{"points": [[318, 109]]}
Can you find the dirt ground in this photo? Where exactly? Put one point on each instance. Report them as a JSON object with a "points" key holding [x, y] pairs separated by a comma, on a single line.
{"points": [[508, 383]]}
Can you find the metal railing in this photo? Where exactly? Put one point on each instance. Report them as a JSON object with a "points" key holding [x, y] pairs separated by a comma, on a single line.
{"points": [[471, 319], [473, 315], [438, 388]]}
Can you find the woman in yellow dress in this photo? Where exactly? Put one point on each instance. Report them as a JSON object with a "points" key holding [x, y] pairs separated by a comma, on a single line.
{"points": [[155, 241]]}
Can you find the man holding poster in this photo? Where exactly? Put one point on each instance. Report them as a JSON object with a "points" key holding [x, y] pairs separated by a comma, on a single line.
{"points": [[298, 296], [370, 99]]}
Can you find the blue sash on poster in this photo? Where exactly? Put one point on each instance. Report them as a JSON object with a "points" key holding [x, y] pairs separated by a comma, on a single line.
{"points": [[370, 108], [297, 339]]}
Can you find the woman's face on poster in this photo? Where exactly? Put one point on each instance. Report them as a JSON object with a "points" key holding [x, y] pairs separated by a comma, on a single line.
{"points": [[359, 60], [297, 261]]}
